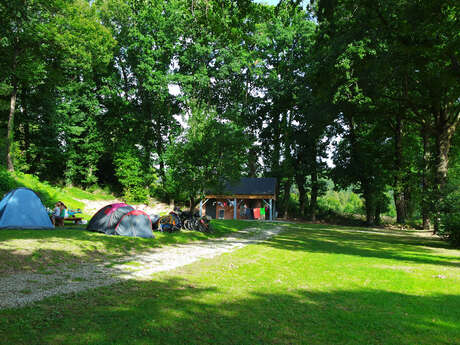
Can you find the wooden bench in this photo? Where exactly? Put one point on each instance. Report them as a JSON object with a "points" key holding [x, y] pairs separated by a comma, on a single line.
{"points": [[72, 219]]}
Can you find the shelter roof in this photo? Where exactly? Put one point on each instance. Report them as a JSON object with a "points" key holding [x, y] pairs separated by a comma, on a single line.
{"points": [[250, 186]]}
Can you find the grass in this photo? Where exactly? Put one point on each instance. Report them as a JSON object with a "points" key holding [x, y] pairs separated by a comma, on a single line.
{"points": [[312, 284], [38, 250]]}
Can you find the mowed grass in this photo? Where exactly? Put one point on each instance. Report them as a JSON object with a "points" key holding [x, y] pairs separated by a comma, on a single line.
{"points": [[42, 250], [312, 284]]}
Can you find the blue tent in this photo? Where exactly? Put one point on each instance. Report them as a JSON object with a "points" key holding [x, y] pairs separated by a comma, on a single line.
{"points": [[21, 208]]}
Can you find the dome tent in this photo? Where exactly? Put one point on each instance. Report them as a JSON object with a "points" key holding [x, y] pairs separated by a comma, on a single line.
{"points": [[135, 223], [22, 208], [106, 219]]}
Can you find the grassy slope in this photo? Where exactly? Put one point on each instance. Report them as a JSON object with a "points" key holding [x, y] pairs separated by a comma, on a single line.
{"points": [[310, 285], [49, 194]]}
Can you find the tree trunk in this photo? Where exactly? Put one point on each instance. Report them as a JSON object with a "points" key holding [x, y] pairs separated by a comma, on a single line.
{"points": [[400, 205], [365, 185], [275, 161], [192, 204], [300, 181], [286, 197], [314, 183], [252, 164], [369, 203], [425, 172], [398, 190], [160, 150], [314, 194], [10, 133], [444, 134], [27, 144], [377, 212]]}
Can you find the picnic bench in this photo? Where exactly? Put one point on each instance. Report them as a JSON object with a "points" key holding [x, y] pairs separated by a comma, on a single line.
{"points": [[72, 219], [61, 221]]}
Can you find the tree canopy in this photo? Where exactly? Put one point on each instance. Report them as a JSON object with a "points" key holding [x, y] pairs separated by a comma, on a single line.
{"points": [[169, 98]]}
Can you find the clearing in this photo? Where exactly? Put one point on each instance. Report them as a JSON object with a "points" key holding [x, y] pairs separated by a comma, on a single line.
{"points": [[309, 284]]}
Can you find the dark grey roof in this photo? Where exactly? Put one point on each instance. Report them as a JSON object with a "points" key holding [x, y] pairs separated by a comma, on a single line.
{"points": [[252, 186]]}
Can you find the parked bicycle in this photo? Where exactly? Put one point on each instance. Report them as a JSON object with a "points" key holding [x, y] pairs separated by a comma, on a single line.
{"points": [[194, 222], [177, 219]]}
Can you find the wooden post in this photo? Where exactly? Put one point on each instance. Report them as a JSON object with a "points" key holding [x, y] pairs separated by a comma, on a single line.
{"points": [[234, 208], [271, 209]]}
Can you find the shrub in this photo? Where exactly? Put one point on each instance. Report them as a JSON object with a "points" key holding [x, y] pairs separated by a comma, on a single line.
{"points": [[450, 216], [341, 202], [6, 182]]}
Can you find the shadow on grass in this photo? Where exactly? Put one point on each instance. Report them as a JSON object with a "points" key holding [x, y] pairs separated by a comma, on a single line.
{"points": [[363, 243], [175, 311]]}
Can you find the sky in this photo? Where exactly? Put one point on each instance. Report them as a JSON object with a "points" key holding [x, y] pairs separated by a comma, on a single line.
{"points": [[273, 2], [267, 2]]}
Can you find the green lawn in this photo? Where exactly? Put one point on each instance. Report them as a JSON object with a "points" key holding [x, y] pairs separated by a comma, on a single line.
{"points": [[313, 284], [38, 250]]}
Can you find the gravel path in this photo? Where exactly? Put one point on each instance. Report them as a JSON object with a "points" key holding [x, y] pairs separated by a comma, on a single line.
{"points": [[20, 289]]}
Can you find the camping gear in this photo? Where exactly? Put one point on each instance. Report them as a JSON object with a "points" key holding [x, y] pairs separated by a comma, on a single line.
{"points": [[22, 208], [135, 223], [168, 223], [154, 218], [106, 219]]}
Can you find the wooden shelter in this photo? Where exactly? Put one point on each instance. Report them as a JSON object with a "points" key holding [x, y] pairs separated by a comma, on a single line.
{"points": [[254, 199]]}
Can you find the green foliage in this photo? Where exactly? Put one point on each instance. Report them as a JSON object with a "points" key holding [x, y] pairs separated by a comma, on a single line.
{"points": [[7, 182], [169, 98], [342, 202], [132, 177], [210, 153], [379, 74]]}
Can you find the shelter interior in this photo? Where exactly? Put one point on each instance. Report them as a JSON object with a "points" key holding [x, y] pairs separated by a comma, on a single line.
{"points": [[254, 198]]}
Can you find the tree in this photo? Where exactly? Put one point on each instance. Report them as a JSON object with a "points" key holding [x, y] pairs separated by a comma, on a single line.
{"points": [[149, 35], [398, 56], [25, 28], [210, 153], [54, 53]]}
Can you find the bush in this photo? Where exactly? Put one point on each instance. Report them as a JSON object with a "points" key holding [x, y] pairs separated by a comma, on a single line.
{"points": [[7, 183], [450, 216], [342, 202]]}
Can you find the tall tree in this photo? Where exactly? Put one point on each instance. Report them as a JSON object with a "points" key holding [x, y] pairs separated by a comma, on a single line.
{"points": [[148, 34], [24, 28], [403, 53], [209, 154]]}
